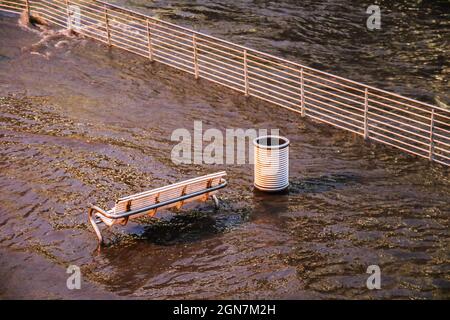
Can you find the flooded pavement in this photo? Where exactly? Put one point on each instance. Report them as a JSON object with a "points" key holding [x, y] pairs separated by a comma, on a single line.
{"points": [[82, 123]]}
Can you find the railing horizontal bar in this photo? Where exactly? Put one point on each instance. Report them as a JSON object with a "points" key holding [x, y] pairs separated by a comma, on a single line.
{"points": [[372, 133], [331, 111], [141, 37], [443, 123], [275, 103], [216, 42], [56, 21], [202, 67], [88, 33], [127, 12], [168, 54], [10, 7], [441, 162], [398, 121], [296, 75], [128, 48], [273, 87], [273, 62], [372, 107], [274, 80], [89, 10], [87, 4], [400, 128], [401, 103], [164, 46], [44, 6], [343, 123], [11, 11], [223, 64], [441, 136], [132, 48], [336, 89], [125, 27], [188, 63], [204, 71], [443, 150], [297, 100], [140, 29], [165, 36], [116, 36], [171, 65], [423, 104], [205, 75], [293, 83], [221, 67], [156, 38], [161, 60], [444, 143], [255, 93], [158, 27], [332, 123], [182, 62], [204, 52], [178, 34], [398, 135], [218, 50], [13, 2], [399, 109], [160, 55], [331, 106], [53, 5], [398, 147], [437, 115], [334, 95], [335, 82]]}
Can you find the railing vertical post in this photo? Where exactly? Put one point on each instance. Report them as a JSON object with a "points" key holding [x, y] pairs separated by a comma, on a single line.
{"points": [[69, 22], [149, 41], [27, 7], [431, 156], [194, 48], [108, 34], [366, 113], [246, 86], [302, 92]]}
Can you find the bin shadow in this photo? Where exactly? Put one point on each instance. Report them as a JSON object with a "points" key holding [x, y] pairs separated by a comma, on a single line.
{"points": [[323, 183]]}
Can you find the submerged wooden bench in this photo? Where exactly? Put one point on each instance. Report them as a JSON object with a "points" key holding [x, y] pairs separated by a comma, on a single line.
{"points": [[148, 202]]}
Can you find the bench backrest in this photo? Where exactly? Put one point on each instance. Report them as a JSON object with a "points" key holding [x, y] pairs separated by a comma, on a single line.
{"points": [[150, 197]]}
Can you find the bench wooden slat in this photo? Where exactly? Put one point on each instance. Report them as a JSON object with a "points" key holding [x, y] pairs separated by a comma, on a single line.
{"points": [[147, 198], [220, 174]]}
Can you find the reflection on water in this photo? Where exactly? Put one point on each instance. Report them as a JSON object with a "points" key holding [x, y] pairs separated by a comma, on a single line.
{"points": [[83, 123]]}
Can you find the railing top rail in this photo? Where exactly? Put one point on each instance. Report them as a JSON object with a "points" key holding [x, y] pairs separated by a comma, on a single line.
{"points": [[299, 65]]}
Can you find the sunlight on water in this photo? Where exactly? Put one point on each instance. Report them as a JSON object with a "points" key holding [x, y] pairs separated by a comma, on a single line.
{"points": [[83, 123]]}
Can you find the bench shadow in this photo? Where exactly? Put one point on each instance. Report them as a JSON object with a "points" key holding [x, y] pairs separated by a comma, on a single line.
{"points": [[183, 227], [186, 226]]}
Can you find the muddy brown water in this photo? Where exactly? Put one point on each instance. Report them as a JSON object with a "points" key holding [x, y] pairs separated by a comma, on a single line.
{"points": [[83, 123]]}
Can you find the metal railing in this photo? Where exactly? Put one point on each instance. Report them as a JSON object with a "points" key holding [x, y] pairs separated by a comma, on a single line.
{"points": [[407, 124]]}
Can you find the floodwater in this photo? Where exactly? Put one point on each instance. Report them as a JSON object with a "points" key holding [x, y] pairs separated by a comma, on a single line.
{"points": [[82, 123]]}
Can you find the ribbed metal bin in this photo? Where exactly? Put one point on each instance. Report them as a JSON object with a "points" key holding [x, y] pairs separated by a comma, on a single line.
{"points": [[271, 159]]}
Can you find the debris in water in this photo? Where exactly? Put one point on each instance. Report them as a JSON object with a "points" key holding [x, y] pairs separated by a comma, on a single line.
{"points": [[28, 21]]}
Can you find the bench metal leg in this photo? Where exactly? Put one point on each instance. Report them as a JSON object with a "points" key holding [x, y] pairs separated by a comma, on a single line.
{"points": [[216, 201], [94, 225]]}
